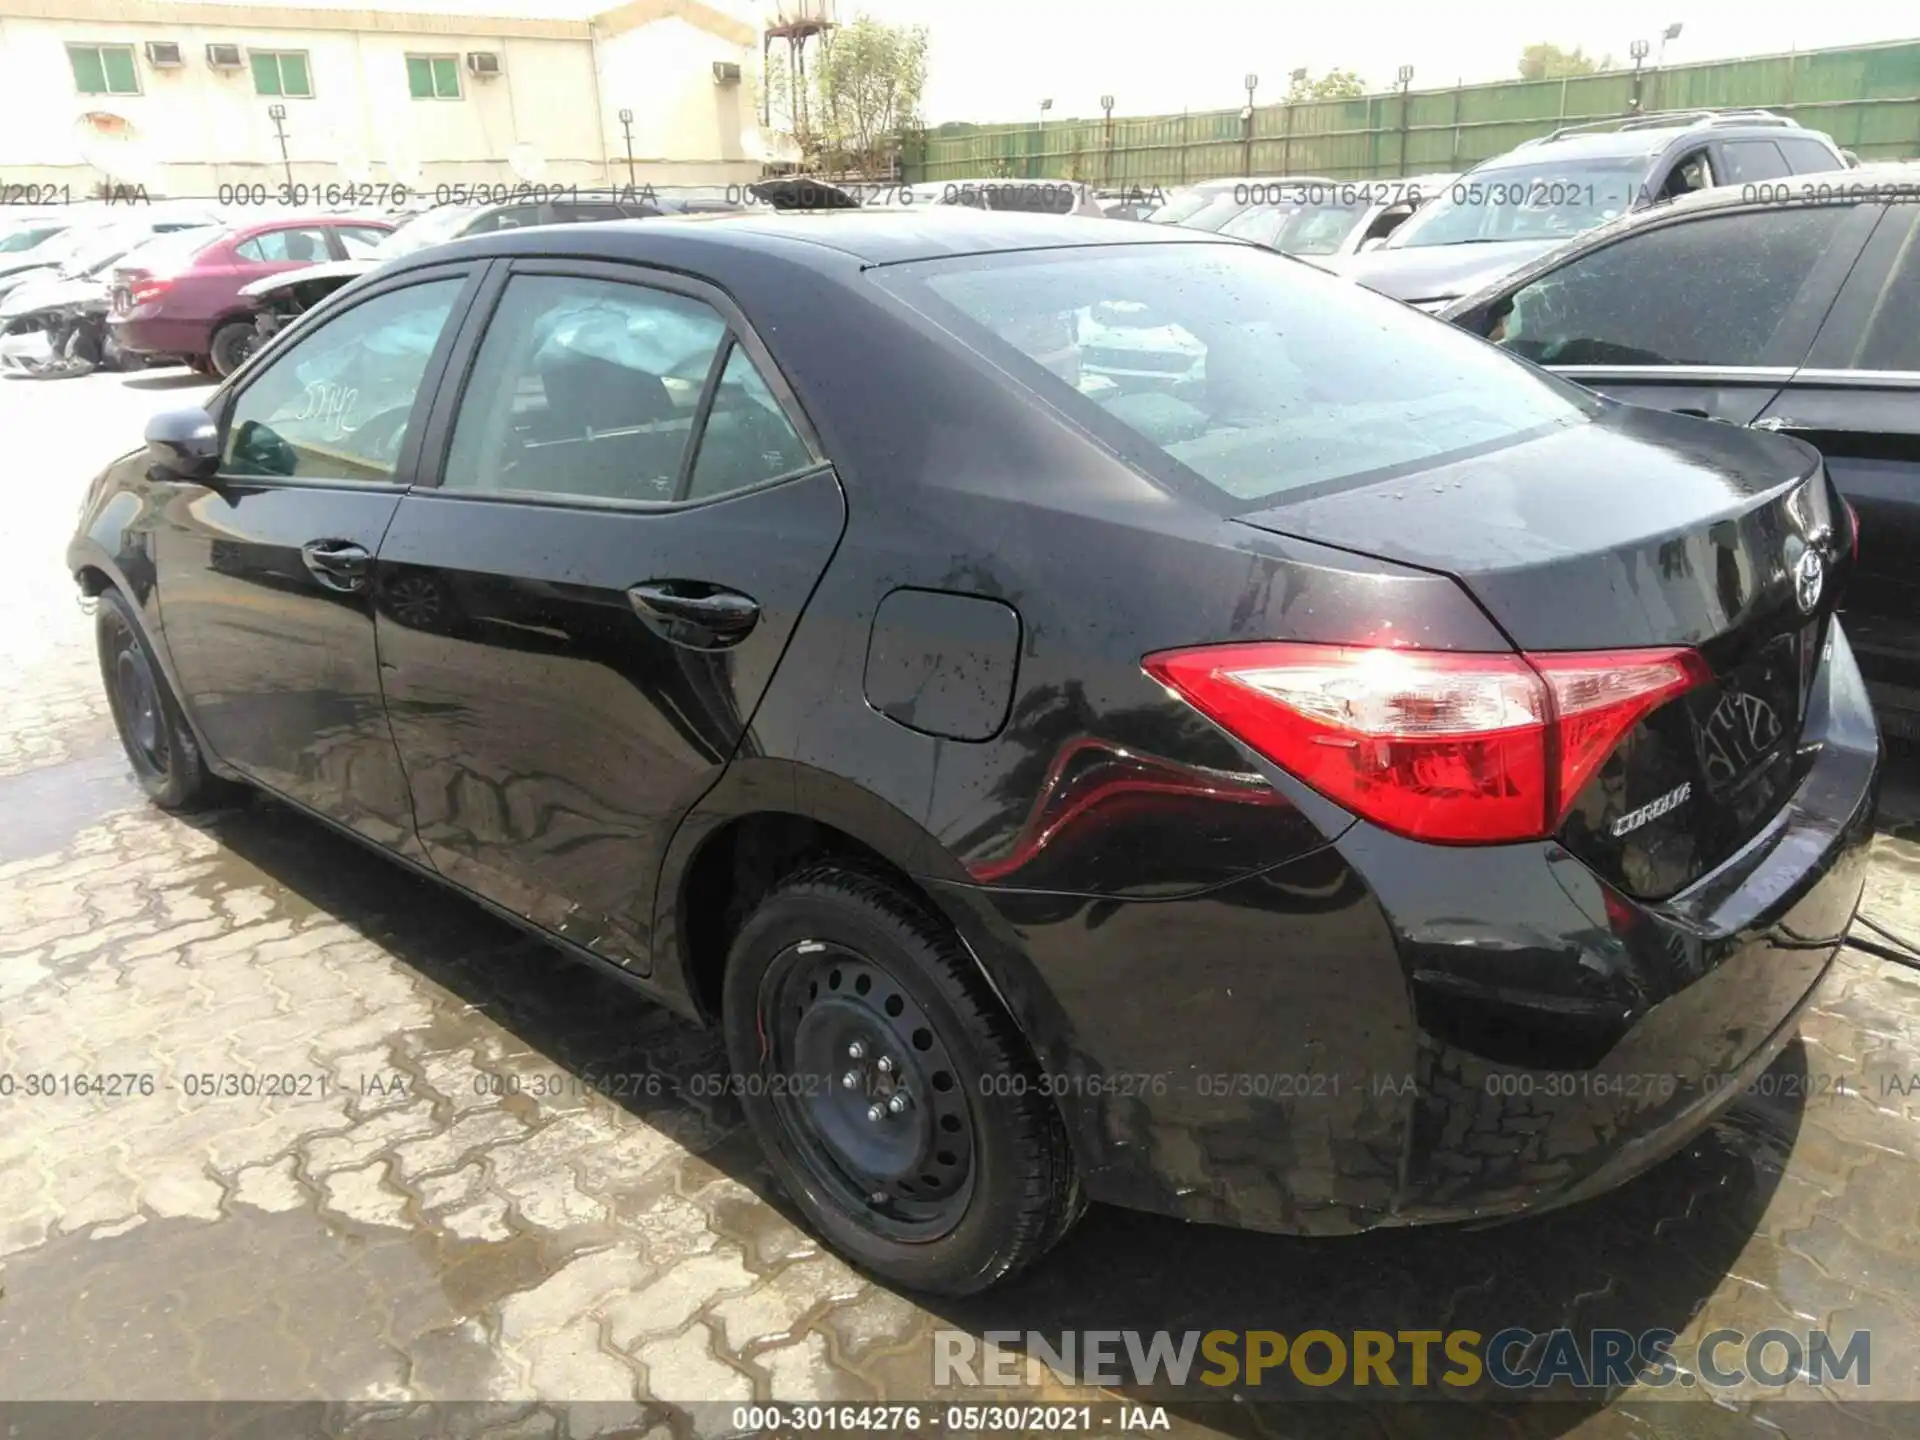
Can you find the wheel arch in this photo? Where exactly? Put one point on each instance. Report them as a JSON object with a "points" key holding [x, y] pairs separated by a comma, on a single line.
{"points": [[768, 817]]}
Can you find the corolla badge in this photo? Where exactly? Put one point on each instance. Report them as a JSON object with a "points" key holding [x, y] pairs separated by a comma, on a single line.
{"points": [[1809, 575]]}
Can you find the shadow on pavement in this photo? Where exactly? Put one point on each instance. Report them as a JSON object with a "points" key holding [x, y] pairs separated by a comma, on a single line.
{"points": [[1645, 1257], [181, 379]]}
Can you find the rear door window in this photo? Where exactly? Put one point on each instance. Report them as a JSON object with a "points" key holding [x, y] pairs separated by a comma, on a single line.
{"points": [[584, 388], [1714, 290], [297, 246], [1747, 161], [1808, 156], [1891, 340], [1227, 365]]}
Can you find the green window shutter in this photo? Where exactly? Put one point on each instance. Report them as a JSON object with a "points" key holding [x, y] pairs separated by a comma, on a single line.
{"points": [[118, 63], [446, 77], [293, 76], [420, 77], [89, 76], [266, 73]]}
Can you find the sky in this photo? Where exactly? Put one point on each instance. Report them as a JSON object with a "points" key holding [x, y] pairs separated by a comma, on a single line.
{"points": [[997, 59]]}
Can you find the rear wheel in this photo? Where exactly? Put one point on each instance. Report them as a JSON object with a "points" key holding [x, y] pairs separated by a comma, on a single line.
{"points": [[159, 743], [873, 1063], [231, 344]]}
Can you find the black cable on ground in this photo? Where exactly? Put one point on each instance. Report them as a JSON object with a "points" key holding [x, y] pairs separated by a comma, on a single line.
{"points": [[1884, 933]]}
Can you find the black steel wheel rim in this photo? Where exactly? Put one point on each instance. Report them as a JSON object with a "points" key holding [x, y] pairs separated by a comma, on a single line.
{"points": [[866, 1091], [136, 706]]}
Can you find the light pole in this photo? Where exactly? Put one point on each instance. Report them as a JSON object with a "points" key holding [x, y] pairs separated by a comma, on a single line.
{"points": [[1106, 166], [278, 114], [1040, 140], [1252, 82], [1295, 82], [626, 129], [1672, 32], [1405, 77], [1638, 50]]}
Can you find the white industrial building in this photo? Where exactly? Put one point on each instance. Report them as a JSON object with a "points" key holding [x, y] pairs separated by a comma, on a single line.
{"points": [[179, 97]]}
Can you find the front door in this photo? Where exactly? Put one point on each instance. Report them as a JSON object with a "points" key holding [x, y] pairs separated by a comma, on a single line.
{"points": [[576, 624], [264, 572]]}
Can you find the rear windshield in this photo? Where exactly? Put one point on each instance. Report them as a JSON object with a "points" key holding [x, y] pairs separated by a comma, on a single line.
{"points": [[1256, 374]]}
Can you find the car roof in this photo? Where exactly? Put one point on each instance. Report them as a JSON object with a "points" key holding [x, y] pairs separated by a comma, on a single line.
{"points": [[816, 238]]}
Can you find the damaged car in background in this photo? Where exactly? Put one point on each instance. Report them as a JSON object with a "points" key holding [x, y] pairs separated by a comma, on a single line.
{"points": [[53, 322], [278, 300]]}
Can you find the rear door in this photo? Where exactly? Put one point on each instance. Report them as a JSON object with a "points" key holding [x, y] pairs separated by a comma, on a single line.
{"points": [[264, 572], [1858, 400], [1708, 315], [578, 620]]}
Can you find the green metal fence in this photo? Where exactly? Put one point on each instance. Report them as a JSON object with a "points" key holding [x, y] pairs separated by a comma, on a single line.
{"points": [[1867, 99]]}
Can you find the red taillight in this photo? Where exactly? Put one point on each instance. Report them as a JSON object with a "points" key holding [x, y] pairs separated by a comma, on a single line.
{"points": [[1460, 748], [149, 287]]}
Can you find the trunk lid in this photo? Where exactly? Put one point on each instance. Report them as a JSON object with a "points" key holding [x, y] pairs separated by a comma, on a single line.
{"points": [[1640, 529]]}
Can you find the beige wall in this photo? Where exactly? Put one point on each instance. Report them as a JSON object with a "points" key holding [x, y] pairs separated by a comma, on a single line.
{"points": [[558, 97], [686, 128]]}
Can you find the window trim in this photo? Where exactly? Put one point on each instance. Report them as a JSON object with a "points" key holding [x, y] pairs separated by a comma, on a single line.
{"points": [[429, 56], [100, 48], [1843, 335], [221, 404], [1805, 315], [279, 73], [437, 435]]}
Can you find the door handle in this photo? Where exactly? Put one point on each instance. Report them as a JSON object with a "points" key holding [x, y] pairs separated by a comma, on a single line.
{"points": [[695, 614], [337, 564]]}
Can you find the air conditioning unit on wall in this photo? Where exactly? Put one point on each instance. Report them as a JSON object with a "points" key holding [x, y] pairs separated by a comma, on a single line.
{"points": [[164, 55], [223, 57], [484, 64], [726, 72]]}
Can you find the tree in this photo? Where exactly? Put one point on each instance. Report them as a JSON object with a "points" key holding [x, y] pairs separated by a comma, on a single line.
{"points": [[869, 79], [1550, 62], [1334, 85]]}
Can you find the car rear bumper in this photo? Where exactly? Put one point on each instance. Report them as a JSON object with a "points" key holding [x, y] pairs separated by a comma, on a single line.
{"points": [[157, 335], [1388, 1033]]}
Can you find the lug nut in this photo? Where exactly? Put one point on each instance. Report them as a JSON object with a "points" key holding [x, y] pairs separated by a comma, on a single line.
{"points": [[850, 1079], [884, 1064], [857, 1050], [876, 1113], [898, 1102]]}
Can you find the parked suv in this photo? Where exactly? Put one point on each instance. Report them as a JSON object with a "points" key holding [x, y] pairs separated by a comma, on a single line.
{"points": [[1512, 209], [195, 312], [1792, 307]]}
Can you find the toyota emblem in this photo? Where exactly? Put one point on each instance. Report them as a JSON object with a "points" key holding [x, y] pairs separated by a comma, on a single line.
{"points": [[1808, 576]]}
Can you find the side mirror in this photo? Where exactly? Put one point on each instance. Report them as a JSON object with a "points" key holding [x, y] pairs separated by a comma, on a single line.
{"points": [[184, 443]]}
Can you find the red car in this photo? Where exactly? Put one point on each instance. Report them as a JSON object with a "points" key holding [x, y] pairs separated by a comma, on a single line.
{"points": [[185, 304]]}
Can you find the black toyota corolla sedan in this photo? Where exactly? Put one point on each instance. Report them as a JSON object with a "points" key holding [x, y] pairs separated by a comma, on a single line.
{"points": [[1325, 773]]}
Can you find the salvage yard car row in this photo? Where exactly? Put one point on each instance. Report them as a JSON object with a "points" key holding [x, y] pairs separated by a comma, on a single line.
{"points": [[691, 593]]}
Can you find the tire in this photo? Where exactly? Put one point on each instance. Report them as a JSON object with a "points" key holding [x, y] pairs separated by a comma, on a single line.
{"points": [[160, 745], [230, 346], [952, 1190]]}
